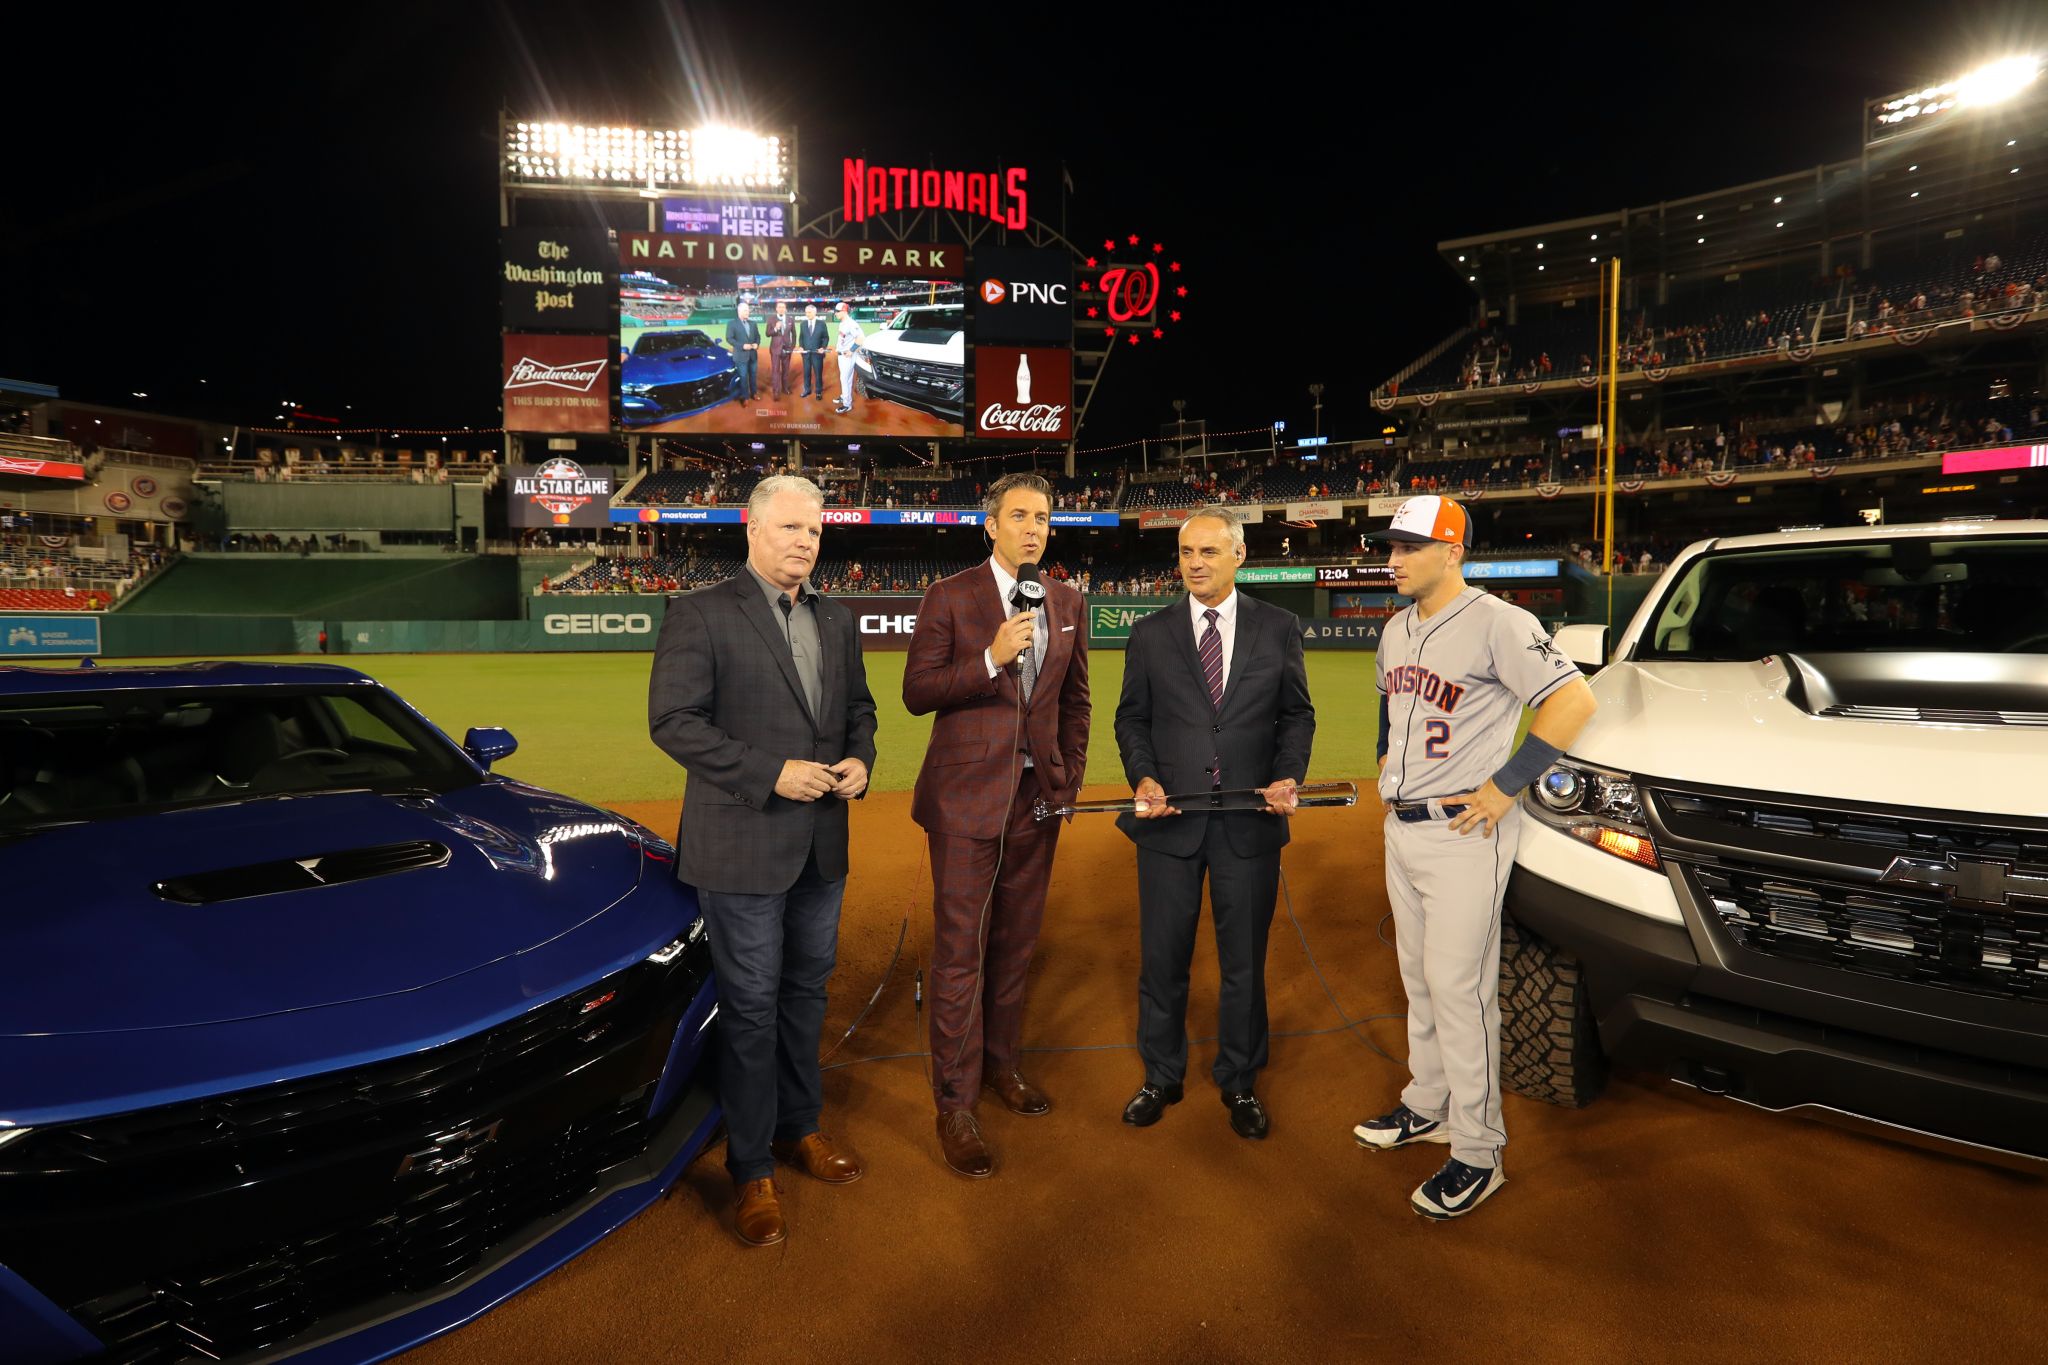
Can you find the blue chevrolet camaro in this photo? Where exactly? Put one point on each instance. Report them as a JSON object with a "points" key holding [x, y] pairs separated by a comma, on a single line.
{"points": [[315, 1038], [674, 374]]}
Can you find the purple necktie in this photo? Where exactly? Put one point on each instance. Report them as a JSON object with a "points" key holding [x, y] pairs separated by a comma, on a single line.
{"points": [[1211, 651]]}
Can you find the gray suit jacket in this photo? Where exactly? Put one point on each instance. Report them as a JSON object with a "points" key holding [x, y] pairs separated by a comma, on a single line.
{"points": [[724, 701]]}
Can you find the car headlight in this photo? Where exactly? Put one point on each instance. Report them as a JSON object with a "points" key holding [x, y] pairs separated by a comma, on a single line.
{"points": [[9, 1134], [1602, 808], [635, 389]]}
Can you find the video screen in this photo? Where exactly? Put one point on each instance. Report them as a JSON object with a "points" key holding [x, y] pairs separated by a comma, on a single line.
{"points": [[793, 355]]}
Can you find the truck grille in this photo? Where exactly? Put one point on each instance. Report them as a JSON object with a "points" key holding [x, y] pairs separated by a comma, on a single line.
{"points": [[1930, 715], [1824, 886], [939, 380], [1885, 933]]}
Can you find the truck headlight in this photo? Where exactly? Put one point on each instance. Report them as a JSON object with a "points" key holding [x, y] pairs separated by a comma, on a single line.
{"points": [[1600, 807], [635, 389]]}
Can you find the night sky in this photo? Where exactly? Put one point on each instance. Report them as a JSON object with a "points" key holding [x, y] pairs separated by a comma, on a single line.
{"points": [[299, 202]]}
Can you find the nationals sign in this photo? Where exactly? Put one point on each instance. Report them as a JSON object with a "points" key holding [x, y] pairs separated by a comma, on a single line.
{"points": [[1023, 393], [558, 383]]}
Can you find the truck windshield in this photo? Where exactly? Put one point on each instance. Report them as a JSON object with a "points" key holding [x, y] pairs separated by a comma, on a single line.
{"points": [[1978, 594]]}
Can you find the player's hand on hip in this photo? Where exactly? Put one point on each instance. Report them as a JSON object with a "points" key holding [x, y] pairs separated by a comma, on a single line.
{"points": [[803, 780], [1150, 799], [1280, 797], [852, 775], [1483, 809], [1013, 639]]}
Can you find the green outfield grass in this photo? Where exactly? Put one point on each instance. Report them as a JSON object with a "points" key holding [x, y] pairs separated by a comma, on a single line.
{"points": [[581, 719]]}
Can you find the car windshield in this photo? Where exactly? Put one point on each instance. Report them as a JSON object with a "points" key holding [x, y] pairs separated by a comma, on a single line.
{"points": [[1980, 594], [655, 343], [96, 755]]}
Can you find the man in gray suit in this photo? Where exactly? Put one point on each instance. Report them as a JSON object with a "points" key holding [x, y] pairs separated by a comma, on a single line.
{"points": [[760, 693]]}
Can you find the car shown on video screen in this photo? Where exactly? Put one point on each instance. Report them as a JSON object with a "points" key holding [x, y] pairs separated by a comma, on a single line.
{"points": [[318, 1038], [675, 374], [918, 357]]}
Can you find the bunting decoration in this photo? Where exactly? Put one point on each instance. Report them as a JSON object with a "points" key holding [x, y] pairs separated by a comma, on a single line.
{"points": [[1721, 478]]}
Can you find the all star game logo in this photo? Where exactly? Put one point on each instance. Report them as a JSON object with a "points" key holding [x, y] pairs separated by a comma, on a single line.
{"points": [[560, 488]]}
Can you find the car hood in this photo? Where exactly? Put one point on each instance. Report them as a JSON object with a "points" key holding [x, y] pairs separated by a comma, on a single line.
{"points": [[1758, 726], [92, 946], [693, 360], [951, 351]]}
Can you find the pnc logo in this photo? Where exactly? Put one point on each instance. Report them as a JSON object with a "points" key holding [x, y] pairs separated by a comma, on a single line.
{"points": [[992, 291]]}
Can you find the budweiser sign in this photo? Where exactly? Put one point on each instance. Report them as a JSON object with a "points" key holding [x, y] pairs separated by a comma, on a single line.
{"points": [[528, 373], [557, 383], [1024, 393]]}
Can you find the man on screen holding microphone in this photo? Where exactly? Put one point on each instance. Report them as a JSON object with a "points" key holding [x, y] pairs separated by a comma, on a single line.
{"points": [[1002, 658]]}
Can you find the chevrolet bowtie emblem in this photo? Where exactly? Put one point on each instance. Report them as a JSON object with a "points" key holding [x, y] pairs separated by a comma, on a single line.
{"points": [[1968, 881]]}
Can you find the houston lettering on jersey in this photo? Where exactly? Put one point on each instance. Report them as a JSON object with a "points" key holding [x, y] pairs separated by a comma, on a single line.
{"points": [[1438, 692]]}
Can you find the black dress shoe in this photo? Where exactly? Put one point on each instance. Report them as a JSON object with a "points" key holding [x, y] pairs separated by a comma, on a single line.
{"points": [[1149, 1103], [1247, 1115]]}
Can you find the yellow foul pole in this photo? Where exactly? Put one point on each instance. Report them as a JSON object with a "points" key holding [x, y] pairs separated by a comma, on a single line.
{"points": [[1613, 422]]}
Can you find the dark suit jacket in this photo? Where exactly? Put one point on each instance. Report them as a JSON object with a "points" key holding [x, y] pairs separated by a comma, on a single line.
{"points": [[740, 333], [970, 766], [725, 701], [782, 334], [1167, 730], [812, 336]]}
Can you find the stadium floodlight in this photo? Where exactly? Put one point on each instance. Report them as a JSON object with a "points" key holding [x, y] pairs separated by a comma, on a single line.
{"points": [[642, 159], [1990, 84]]}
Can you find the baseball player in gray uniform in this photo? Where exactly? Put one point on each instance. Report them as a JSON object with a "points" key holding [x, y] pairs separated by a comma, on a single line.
{"points": [[1455, 670]]}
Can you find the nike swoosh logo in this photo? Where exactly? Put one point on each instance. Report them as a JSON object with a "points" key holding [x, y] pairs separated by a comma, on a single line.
{"points": [[1475, 1187]]}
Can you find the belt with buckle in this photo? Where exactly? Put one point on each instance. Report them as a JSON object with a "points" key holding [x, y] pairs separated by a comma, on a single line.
{"points": [[1409, 812]]}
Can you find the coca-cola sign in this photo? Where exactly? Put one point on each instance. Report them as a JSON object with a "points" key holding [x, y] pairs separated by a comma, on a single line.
{"points": [[558, 383], [1024, 393]]}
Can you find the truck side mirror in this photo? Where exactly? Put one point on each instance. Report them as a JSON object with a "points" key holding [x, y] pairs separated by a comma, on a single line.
{"points": [[1585, 646]]}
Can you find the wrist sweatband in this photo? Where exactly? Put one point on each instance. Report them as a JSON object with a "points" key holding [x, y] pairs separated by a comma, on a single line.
{"points": [[1529, 762]]}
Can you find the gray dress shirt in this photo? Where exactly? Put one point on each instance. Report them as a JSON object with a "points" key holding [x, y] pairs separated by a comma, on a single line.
{"points": [[800, 627]]}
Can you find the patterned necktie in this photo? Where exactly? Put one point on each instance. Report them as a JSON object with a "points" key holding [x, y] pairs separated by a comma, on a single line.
{"points": [[1027, 662], [1211, 651]]}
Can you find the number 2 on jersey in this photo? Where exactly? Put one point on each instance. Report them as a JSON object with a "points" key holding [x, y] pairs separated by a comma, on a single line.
{"points": [[1439, 737]]}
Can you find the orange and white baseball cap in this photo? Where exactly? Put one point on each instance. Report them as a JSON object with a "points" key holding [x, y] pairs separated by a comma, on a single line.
{"points": [[1427, 518]]}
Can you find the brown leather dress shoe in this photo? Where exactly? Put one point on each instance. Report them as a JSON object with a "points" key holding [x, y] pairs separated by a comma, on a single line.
{"points": [[1018, 1095], [759, 1222], [820, 1158], [960, 1138]]}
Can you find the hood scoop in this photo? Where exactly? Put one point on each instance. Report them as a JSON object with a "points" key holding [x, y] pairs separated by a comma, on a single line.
{"points": [[1921, 689], [302, 874]]}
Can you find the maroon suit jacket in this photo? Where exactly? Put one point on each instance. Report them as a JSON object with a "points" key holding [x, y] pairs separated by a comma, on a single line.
{"points": [[970, 766]]}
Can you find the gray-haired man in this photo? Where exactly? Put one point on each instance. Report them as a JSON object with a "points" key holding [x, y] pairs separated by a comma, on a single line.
{"points": [[759, 692]]}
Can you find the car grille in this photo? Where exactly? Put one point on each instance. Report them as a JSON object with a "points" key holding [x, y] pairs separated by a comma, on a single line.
{"points": [[406, 1095], [229, 1224], [939, 380], [269, 1292], [695, 393], [1834, 906]]}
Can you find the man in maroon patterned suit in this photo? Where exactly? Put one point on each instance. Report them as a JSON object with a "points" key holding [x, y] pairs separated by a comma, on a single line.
{"points": [[1010, 688]]}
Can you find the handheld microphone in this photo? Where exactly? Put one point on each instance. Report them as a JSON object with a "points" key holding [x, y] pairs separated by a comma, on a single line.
{"points": [[1030, 590]]}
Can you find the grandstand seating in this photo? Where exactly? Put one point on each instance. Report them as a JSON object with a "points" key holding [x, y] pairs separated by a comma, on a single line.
{"points": [[1724, 324], [54, 599]]}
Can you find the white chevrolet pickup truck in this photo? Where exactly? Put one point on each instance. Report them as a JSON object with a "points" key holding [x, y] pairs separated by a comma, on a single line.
{"points": [[1800, 856]]}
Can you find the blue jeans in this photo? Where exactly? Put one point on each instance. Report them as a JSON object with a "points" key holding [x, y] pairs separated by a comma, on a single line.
{"points": [[772, 956]]}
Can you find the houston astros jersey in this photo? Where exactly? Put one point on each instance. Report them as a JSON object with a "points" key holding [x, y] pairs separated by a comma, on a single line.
{"points": [[1455, 686]]}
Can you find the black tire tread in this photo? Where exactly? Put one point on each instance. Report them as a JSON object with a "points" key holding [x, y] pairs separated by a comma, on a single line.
{"points": [[1550, 1044]]}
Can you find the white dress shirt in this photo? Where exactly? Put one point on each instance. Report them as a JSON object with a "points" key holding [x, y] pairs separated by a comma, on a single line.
{"points": [[1226, 626]]}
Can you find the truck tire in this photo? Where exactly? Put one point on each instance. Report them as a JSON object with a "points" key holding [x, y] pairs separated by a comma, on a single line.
{"points": [[1549, 1044]]}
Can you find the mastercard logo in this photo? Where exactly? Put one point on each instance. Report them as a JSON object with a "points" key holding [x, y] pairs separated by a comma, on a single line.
{"points": [[650, 514], [992, 291]]}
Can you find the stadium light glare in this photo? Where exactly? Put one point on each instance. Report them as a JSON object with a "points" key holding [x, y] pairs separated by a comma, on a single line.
{"points": [[1914, 195], [1539, 267], [1778, 199], [643, 158], [1699, 217], [2012, 142], [1539, 246], [1472, 279], [1996, 82], [1702, 241]]}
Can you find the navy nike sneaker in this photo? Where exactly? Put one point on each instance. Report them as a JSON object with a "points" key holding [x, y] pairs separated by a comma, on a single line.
{"points": [[1398, 1129], [1456, 1190]]}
